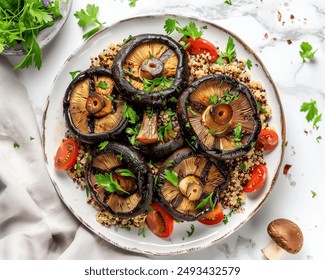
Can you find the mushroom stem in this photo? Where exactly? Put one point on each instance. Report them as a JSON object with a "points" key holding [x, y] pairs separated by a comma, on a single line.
{"points": [[191, 187], [218, 118], [272, 251], [151, 68], [148, 133]]}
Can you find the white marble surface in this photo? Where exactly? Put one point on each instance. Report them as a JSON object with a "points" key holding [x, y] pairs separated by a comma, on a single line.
{"points": [[296, 82]]}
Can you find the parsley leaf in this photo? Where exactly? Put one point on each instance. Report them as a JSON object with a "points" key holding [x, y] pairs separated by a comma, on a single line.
{"points": [[102, 85], [160, 83], [249, 64], [230, 50], [21, 22], [126, 172], [172, 177], [73, 74], [109, 183], [228, 2], [88, 18], [102, 145], [16, 145], [208, 199], [132, 3], [306, 51], [188, 31], [129, 113], [312, 112]]}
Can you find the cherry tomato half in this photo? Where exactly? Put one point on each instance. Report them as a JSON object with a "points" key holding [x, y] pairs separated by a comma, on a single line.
{"points": [[66, 155], [258, 178], [199, 45], [159, 221], [267, 140], [214, 217]]}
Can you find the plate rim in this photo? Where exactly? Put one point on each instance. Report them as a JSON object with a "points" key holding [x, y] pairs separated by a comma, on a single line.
{"points": [[272, 182]]}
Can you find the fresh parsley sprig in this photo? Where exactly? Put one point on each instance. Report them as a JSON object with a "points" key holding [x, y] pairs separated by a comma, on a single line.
{"points": [[172, 177], [313, 114], [107, 181], [188, 31], [306, 52], [160, 83], [230, 51], [88, 18], [208, 199], [21, 22], [129, 113], [126, 172]]}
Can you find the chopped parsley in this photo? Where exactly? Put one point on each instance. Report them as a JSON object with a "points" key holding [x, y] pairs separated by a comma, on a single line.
{"points": [[313, 194], [132, 3], [228, 2], [102, 85], [230, 51], [172, 177], [237, 135], [188, 31], [133, 133], [160, 83], [213, 99], [31, 138], [126, 172], [249, 64], [16, 145], [191, 231], [129, 113], [313, 114], [208, 199], [107, 181], [165, 130], [73, 74], [102, 145], [88, 18], [306, 52]]}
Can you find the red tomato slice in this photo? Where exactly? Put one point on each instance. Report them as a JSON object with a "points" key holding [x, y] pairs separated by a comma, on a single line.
{"points": [[199, 45], [257, 180], [159, 221], [267, 140], [66, 155], [214, 217]]}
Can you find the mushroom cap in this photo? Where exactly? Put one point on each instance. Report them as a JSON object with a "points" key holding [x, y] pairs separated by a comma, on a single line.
{"points": [[286, 234]]}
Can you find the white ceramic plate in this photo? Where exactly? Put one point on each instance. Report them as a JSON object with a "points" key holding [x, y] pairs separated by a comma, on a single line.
{"points": [[47, 34], [75, 199]]}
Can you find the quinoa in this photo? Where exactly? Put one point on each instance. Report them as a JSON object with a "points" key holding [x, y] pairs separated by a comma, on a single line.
{"points": [[232, 197]]}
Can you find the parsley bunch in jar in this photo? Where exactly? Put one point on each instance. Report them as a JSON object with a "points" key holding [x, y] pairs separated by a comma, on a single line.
{"points": [[20, 23]]}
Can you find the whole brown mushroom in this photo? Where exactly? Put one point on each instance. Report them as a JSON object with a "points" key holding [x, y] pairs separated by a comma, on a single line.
{"points": [[286, 236]]}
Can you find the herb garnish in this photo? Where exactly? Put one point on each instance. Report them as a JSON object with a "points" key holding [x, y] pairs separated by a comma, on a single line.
{"points": [[89, 18], [161, 83], [312, 112], [133, 132], [73, 74], [237, 136], [21, 22], [190, 233], [213, 99], [228, 2], [129, 113], [16, 145], [102, 145], [132, 3], [109, 183], [126, 172], [102, 85], [230, 50], [249, 64], [188, 31], [164, 130], [172, 177], [313, 194], [208, 199], [306, 52]]}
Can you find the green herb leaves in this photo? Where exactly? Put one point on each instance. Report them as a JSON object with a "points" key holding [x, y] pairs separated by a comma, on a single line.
{"points": [[208, 199], [228, 2], [22, 21], [312, 112], [88, 18], [172, 177], [129, 113], [160, 83], [188, 31], [306, 51], [107, 181], [230, 51], [132, 3]]}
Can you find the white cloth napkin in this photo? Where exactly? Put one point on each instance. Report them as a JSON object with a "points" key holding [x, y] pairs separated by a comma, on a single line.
{"points": [[34, 223]]}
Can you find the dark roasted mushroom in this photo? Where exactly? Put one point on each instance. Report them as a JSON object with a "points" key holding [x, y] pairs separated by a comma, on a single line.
{"points": [[150, 69], [91, 106], [159, 133], [219, 116], [189, 184], [120, 180]]}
